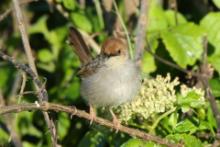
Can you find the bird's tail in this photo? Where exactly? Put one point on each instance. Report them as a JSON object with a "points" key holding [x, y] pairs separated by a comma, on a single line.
{"points": [[80, 47]]}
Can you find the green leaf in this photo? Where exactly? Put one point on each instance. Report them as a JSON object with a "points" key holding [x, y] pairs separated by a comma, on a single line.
{"points": [[211, 22], [4, 137], [171, 20], [215, 61], [28, 144], [63, 125], [152, 40], [204, 125], [50, 67], [211, 118], [72, 92], [184, 43], [217, 3], [92, 139], [138, 143], [214, 83], [201, 113], [44, 55], [192, 99], [81, 21], [157, 18], [69, 4], [40, 26], [148, 65], [188, 140], [173, 119], [54, 37], [4, 77], [25, 125], [185, 126], [69, 58]]}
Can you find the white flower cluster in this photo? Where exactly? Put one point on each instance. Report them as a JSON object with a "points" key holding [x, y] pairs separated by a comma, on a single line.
{"points": [[155, 96]]}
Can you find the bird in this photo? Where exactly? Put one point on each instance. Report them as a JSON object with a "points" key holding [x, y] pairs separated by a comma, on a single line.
{"points": [[111, 78]]}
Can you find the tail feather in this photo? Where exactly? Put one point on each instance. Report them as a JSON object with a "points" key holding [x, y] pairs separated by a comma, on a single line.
{"points": [[80, 47]]}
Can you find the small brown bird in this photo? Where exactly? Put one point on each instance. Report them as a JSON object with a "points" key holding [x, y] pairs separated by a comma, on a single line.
{"points": [[111, 78]]}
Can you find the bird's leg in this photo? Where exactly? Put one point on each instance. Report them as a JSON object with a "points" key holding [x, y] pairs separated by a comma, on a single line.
{"points": [[115, 120], [92, 114]]}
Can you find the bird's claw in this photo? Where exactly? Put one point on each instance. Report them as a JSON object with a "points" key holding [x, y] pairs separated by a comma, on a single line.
{"points": [[92, 114]]}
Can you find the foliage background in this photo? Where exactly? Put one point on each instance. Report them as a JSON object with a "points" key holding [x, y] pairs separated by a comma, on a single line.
{"points": [[177, 37]]}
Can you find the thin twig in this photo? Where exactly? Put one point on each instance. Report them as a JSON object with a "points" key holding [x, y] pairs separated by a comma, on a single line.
{"points": [[131, 7], [15, 86], [62, 11], [9, 125], [2, 100], [45, 106], [8, 11], [5, 14], [24, 35], [43, 93], [205, 50], [23, 84], [141, 31], [107, 5], [205, 76], [164, 61], [90, 41], [14, 137], [82, 4], [26, 69], [173, 5], [173, 65], [99, 12], [124, 28]]}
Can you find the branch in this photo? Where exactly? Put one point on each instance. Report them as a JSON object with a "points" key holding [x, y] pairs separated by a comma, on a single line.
{"points": [[42, 95], [141, 31], [8, 125], [27, 70], [72, 110], [91, 42], [5, 14], [24, 36], [124, 28], [8, 11], [173, 5], [206, 73], [166, 62]]}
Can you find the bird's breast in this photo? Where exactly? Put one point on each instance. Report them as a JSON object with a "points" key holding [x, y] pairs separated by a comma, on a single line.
{"points": [[112, 84]]}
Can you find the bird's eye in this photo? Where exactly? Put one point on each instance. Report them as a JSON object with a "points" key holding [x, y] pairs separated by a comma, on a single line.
{"points": [[119, 51]]}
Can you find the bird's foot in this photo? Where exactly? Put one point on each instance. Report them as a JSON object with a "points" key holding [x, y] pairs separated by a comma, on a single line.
{"points": [[116, 121], [92, 114]]}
